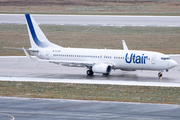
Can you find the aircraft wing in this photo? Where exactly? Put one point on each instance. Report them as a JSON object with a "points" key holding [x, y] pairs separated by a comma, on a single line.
{"points": [[72, 63], [65, 62]]}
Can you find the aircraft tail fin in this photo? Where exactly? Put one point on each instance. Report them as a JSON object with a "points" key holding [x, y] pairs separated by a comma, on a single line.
{"points": [[36, 36], [124, 45]]}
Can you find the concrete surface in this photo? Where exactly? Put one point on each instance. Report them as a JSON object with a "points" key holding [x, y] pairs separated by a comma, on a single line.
{"points": [[102, 20]]}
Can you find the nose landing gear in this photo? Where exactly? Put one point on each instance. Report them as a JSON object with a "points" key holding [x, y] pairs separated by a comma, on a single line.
{"points": [[160, 75]]}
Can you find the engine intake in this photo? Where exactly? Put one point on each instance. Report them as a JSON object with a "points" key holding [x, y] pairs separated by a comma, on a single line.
{"points": [[102, 68]]}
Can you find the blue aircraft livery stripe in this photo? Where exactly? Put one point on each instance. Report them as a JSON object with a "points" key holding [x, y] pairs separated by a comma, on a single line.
{"points": [[33, 33], [136, 59]]}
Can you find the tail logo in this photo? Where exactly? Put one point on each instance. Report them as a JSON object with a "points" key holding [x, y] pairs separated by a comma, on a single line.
{"points": [[33, 33]]}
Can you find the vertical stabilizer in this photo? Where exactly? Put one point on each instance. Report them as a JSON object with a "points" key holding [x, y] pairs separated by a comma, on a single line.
{"points": [[124, 45], [36, 36]]}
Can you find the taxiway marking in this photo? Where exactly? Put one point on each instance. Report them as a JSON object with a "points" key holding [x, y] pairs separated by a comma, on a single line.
{"points": [[8, 115]]}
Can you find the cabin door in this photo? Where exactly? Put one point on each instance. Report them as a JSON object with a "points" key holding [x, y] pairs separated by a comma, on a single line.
{"points": [[47, 55], [153, 60]]}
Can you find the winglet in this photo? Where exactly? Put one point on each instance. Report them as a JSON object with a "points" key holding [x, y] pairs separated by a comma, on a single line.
{"points": [[27, 54], [124, 45]]}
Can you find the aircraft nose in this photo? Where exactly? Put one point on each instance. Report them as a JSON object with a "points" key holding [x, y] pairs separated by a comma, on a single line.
{"points": [[173, 63]]}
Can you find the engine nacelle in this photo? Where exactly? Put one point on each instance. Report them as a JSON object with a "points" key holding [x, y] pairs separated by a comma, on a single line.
{"points": [[102, 68]]}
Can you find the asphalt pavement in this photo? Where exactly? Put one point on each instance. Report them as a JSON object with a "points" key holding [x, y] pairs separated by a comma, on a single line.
{"points": [[57, 109]]}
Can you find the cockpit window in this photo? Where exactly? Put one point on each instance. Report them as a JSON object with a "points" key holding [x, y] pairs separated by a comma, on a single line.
{"points": [[165, 58]]}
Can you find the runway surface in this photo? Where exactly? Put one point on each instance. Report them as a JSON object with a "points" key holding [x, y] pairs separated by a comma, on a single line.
{"points": [[23, 69], [56, 109], [102, 20]]}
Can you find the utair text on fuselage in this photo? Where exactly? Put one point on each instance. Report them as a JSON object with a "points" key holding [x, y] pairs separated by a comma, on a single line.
{"points": [[136, 59]]}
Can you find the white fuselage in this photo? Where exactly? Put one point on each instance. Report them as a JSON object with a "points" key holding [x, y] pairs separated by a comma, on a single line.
{"points": [[120, 59]]}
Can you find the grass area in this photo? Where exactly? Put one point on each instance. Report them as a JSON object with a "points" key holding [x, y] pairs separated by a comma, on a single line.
{"points": [[163, 95], [103, 7], [160, 39]]}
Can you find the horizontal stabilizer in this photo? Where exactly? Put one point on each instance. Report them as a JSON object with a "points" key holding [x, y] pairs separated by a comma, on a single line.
{"points": [[27, 54], [21, 49]]}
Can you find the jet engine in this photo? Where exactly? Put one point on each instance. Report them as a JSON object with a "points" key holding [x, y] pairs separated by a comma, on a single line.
{"points": [[102, 68]]}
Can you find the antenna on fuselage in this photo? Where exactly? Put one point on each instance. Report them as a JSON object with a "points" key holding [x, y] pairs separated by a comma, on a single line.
{"points": [[124, 45]]}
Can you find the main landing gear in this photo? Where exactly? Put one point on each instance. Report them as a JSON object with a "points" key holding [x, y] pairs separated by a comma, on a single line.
{"points": [[90, 72]]}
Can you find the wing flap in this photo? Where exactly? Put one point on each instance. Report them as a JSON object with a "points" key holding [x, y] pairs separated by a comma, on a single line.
{"points": [[72, 63]]}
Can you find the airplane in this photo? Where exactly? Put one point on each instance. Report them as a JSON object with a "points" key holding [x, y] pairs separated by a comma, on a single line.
{"points": [[100, 61]]}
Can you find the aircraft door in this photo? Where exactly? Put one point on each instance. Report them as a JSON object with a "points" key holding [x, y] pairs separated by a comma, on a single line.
{"points": [[153, 60]]}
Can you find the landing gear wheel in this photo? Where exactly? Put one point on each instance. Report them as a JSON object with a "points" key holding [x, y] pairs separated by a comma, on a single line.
{"points": [[106, 74], [159, 74], [89, 72]]}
